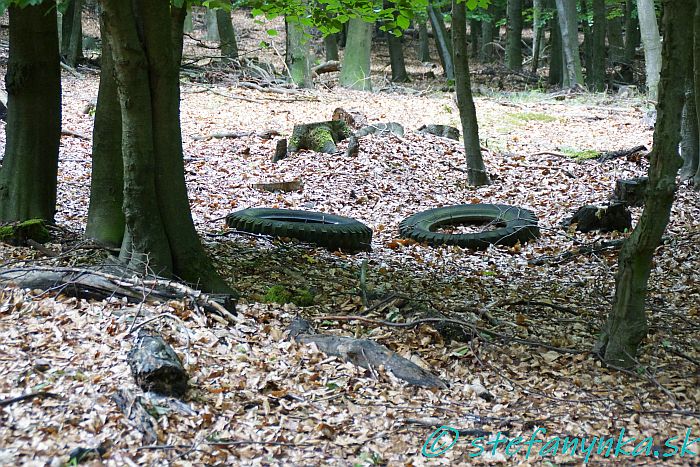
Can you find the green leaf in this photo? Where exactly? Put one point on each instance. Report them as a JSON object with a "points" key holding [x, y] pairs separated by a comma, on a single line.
{"points": [[402, 22], [272, 32]]}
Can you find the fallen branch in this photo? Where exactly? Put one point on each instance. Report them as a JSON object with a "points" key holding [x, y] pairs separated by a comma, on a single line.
{"points": [[364, 353], [91, 284], [268, 134], [610, 155], [597, 247], [26, 397], [326, 67], [74, 135]]}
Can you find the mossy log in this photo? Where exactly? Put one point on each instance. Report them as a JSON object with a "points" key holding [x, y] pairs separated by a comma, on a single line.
{"points": [[319, 136], [444, 131], [156, 367], [18, 233]]}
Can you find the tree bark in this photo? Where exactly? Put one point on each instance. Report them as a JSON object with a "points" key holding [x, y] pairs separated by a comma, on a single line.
{"points": [[72, 33], [159, 230], [487, 31], [652, 45], [689, 132], [537, 33], [474, 36], [444, 46], [105, 222], [28, 175], [297, 56], [423, 42], [696, 80], [627, 326], [476, 171], [331, 44], [398, 64], [614, 35], [597, 70], [568, 25], [227, 36], [514, 27], [212, 26], [556, 54], [355, 73]]}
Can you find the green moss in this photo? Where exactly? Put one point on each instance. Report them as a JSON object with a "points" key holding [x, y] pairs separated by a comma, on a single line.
{"points": [[532, 117], [19, 232], [321, 139], [280, 294], [580, 155]]}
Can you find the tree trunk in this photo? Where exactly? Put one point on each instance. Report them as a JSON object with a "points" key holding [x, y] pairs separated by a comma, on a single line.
{"points": [[72, 33], [537, 33], [627, 326], [423, 42], [398, 64], [105, 222], [212, 26], [178, 22], [159, 232], [355, 73], [615, 38], [689, 133], [487, 31], [474, 35], [587, 48], [568, 25], [696, 80], [597, 70], [297, 56], [331, 44], [476, 171], [652, 45], [556, 54], [227, 36], [444, 47], [29, 169], [514, 27]]}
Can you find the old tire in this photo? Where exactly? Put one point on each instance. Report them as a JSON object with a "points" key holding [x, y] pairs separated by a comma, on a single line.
{"points": [[327, 230], [518, 225]]}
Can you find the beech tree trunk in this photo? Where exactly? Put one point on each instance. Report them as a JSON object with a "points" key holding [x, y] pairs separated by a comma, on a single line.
{"points": [[614, 35], [514, 25], [159, 232], [597, 71], [444, 45], [72, 33], [331, 44], [423, 42], [29, 171], [398, 64], [487, 31], [652, 45], [105, 222], [568, 25], [227, 36], [537, 33], [556, 54], [627, 326], [476, 171], [297, 56], [696, 81], [689, 133], [355, 73]]}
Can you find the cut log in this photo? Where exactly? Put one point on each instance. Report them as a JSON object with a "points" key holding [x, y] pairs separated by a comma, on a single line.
{"points": [[354, 118], [156, 367], [381, 129], [631, 192], [319, 136], [444, 131], [364, 353], [604, 218]]}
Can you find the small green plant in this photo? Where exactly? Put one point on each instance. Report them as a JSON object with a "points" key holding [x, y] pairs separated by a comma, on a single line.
{"points": [[580, 155], [280, 294]]}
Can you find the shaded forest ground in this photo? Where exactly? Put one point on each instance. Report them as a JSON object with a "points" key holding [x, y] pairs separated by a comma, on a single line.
{"points": [[259, 399]]}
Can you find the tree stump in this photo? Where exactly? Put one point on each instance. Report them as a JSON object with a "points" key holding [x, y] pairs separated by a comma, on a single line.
{"points": [[603, 218], [444, 131], [631, 192], [319, 136], [280, 150], [19, 233], [156, 367]]}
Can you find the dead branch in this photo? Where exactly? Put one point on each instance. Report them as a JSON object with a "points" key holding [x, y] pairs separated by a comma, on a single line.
{"points": [[91, 284], [267, 134], [74, 135], [610, 155], [326, 67], [30, 396]]}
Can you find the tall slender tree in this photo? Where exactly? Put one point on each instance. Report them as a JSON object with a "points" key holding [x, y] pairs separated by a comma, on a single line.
{"points": [[627, 326], [651, 40], [355, 73], [514, 51]]}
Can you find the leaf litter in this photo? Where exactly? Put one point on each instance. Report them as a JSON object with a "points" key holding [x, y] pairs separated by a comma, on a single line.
{"points": [[259, 399]]}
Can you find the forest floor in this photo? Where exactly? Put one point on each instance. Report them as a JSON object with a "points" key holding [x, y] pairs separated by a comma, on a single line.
{"points": [[259, 399]]}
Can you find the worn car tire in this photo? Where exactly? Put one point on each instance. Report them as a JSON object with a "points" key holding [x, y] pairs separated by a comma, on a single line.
{"points": [[327, 230], [519, 225]]}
